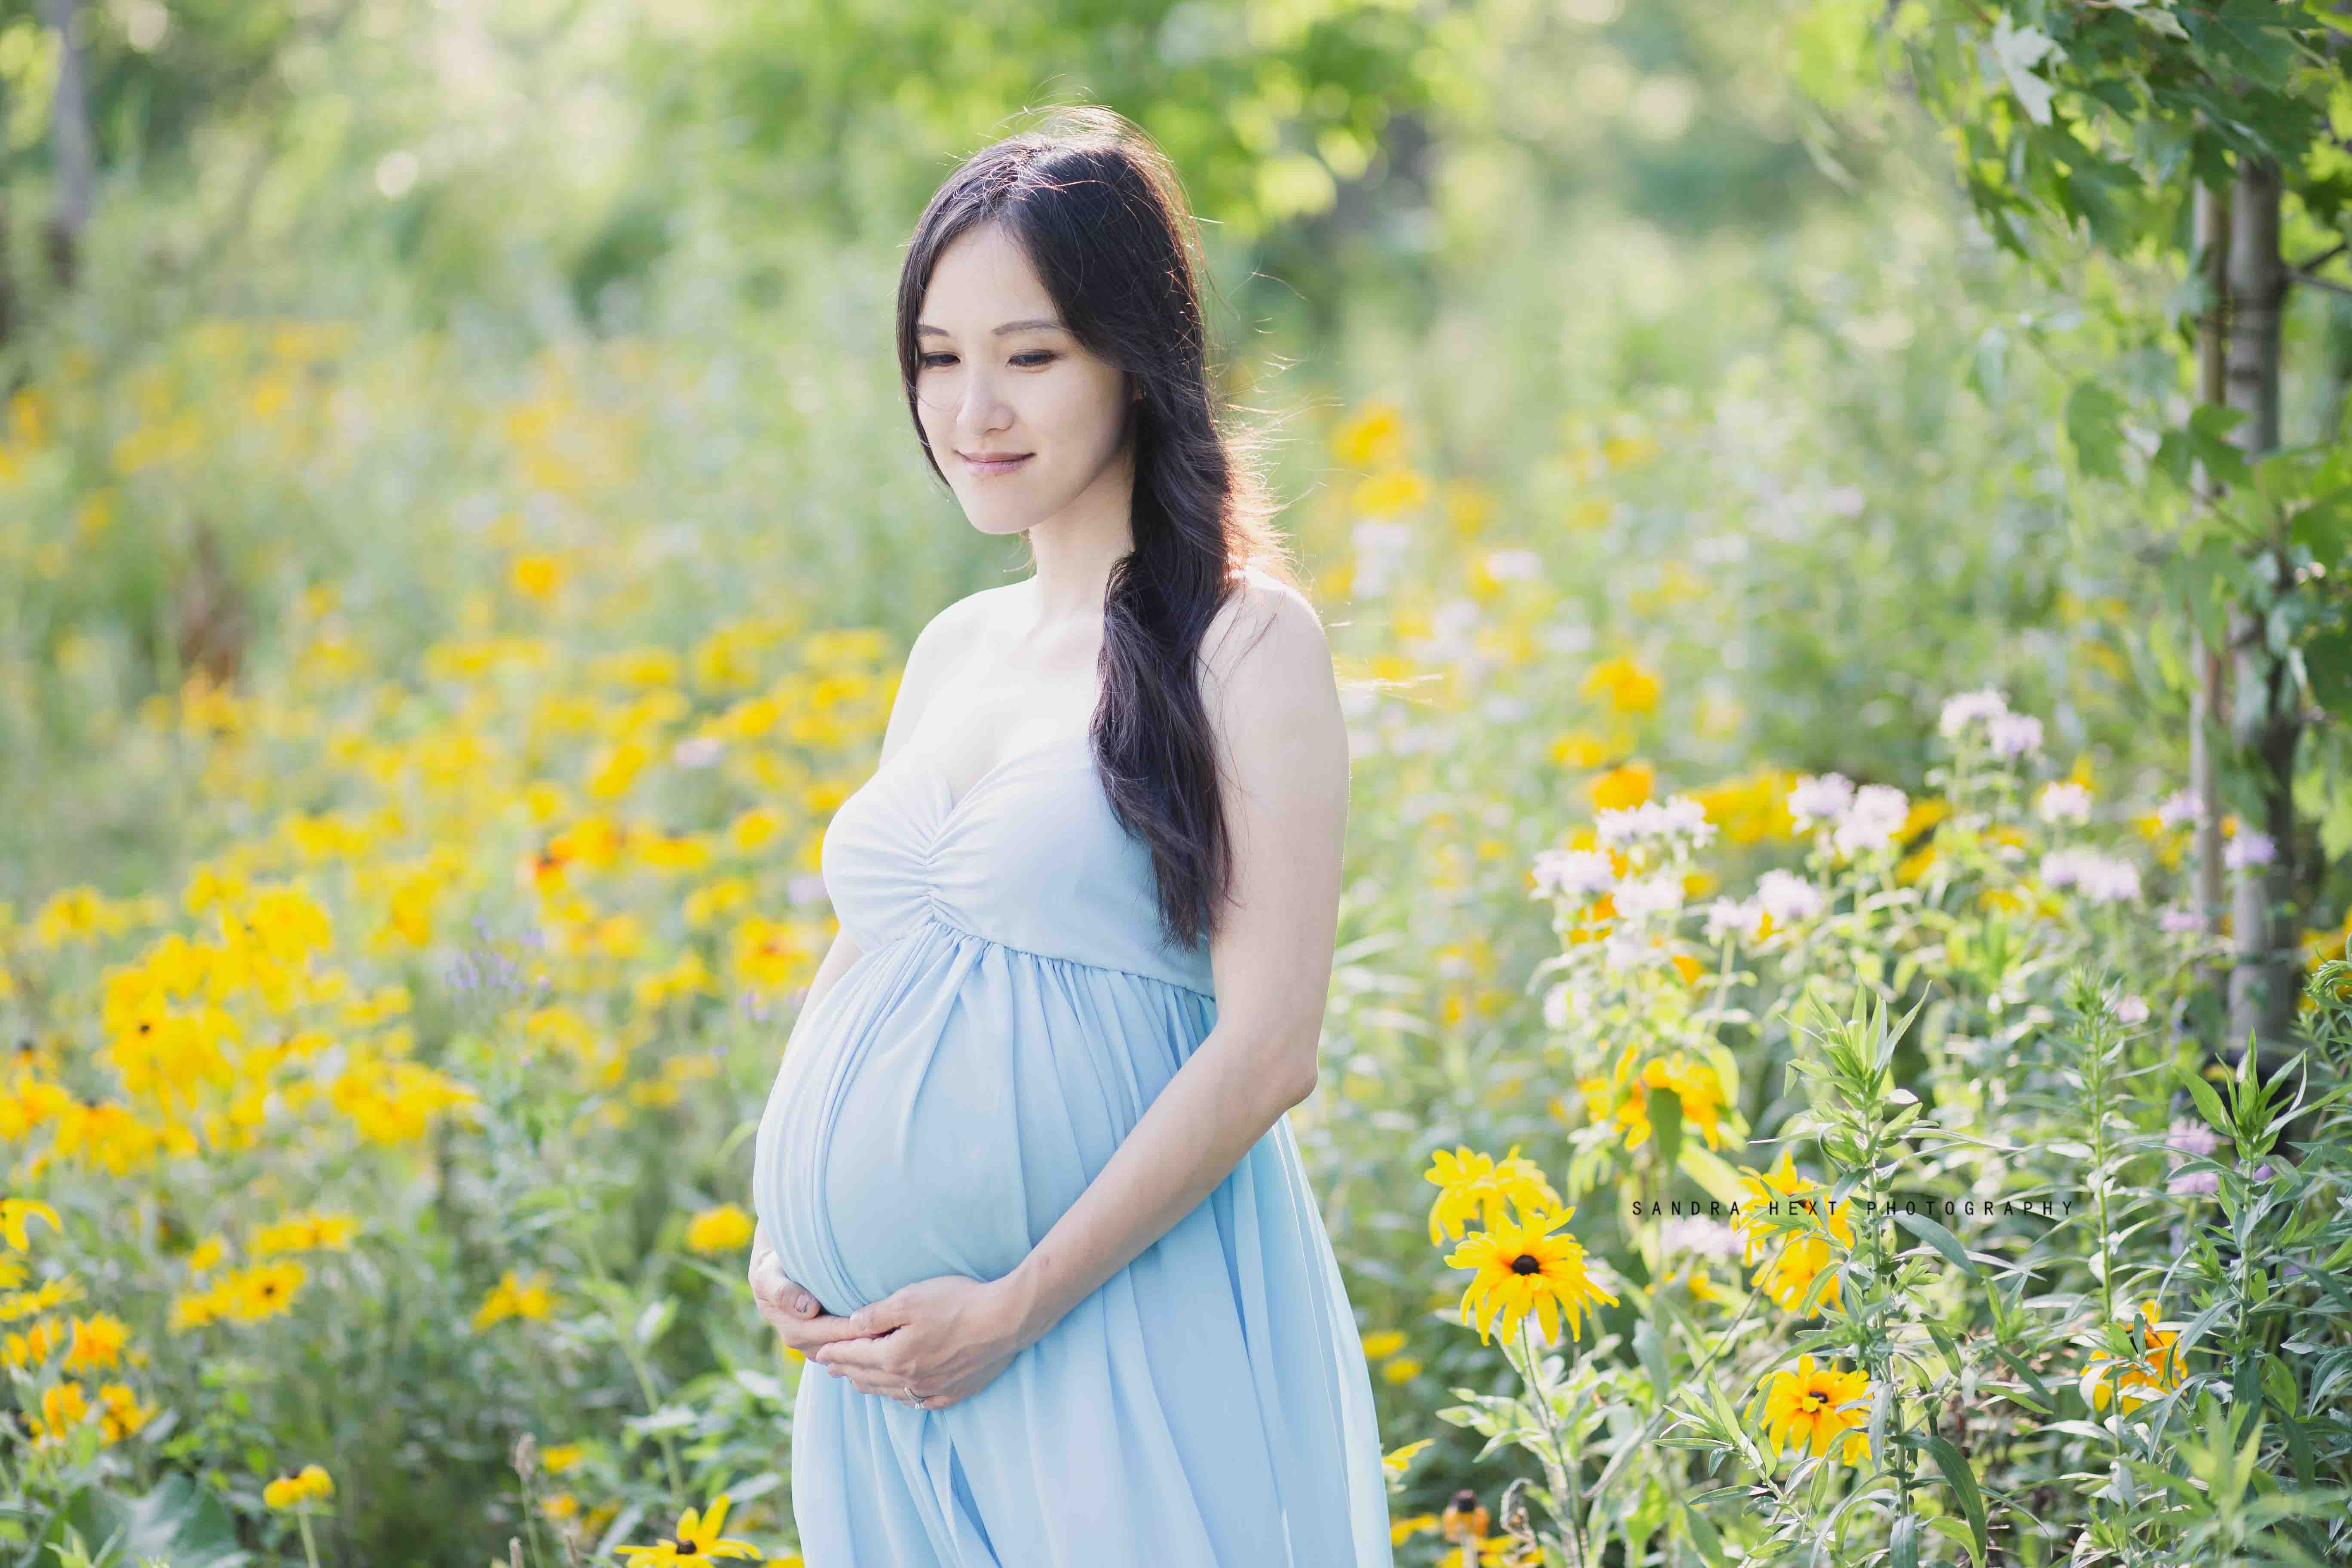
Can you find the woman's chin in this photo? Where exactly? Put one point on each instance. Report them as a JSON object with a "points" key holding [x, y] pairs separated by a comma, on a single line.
{"points": [[998, 526]]}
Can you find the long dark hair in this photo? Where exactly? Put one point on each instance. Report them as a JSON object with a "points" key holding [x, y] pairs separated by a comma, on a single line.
{"points": [[1099, 212]]}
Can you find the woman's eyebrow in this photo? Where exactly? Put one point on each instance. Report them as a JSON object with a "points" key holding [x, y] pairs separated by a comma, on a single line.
{"points": [[923, 327]]}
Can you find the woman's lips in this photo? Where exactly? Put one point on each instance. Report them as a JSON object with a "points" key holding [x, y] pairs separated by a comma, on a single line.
{"points": [[1003, 466]]}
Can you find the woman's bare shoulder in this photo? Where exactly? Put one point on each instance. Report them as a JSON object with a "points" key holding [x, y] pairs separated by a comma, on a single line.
{"points": [[942, 644]]}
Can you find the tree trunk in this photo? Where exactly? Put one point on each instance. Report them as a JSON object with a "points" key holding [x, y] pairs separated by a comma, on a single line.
{"points": [[2206, 707], [2266, 709], [76, 149]]}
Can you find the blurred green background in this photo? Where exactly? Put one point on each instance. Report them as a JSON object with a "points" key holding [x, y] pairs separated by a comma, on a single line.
{"points": [[345, 339]]}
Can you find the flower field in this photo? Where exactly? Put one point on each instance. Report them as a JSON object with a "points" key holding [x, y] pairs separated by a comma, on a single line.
{"points": [[1777, 1103], [388, 1159]]}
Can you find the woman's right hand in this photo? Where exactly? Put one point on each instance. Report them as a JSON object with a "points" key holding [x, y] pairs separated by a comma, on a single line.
{"points": [[788, 1309]]}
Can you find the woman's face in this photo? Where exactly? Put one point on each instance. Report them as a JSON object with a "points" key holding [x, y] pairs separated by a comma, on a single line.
{"points": [[999, 378]]}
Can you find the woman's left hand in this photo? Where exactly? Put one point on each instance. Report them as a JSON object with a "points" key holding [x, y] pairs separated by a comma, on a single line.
{"points": [[946, 1337]]}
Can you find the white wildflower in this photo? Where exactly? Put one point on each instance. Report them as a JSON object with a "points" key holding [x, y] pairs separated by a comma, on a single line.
{"points": [[2063, 800], [2247, 847], [1788, 898], [1877, 816], [1572, 873], [2014, 734], [1823, 797], [1987, 704]]}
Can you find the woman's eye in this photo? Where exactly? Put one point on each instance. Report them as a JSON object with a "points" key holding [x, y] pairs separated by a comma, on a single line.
{"points": [[1033, 357]]}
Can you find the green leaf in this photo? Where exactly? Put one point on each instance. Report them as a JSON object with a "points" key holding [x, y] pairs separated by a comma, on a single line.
{"points": [[1962, 1480], [1652, 1353], [2093, 423], [179, 1521], [2017, 50], [1903, 1545], [1702, 1538], [2209, 1104], [1942, 1240], [1667, 1122]]}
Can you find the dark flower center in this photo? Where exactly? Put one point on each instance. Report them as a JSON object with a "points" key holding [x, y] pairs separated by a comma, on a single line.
{"points": [[1527, 1263]]}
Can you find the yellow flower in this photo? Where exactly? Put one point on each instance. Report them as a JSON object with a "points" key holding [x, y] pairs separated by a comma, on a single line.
{"points": [[262, 1291], [1703, 1287], [1624, 685], [561, 1458], [697, 1539], [1621, 787], [1396, 1459], [305, 1232], [1475, 1183], [35, 1345], [206, 1254], [1383, 1344], [1521, 1266], [15, 1212], [1508, 1551], [1404, 1369], [1403, 1529], [513, 1298], [1373, 440], [722, 1229], [292, 1491], [2130, 1382], [1623, 1097], [1782, 1210], [97, 1341], [1808, 1409], [63, 1405], [120, 1412]]}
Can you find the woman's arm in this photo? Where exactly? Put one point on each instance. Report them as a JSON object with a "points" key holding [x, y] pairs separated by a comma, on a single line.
{"points": [[1268, 685]]}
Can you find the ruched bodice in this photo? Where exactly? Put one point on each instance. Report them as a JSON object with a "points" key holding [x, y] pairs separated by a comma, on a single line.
{"points": [[1030, 856], [1011, 1015]]}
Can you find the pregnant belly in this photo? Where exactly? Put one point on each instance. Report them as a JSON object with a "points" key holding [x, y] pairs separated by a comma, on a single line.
{"points": [[942, 1116]]}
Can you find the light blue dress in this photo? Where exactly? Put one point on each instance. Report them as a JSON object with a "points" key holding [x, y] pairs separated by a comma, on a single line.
{"points": [[1011, 1015]]}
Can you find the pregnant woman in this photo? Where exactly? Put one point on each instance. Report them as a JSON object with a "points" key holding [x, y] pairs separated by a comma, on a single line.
{"points": [[1026, 1195]]}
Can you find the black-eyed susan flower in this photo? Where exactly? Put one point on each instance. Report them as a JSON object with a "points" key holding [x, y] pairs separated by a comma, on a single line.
{"points": [[1791, 1214], [1520, 1267], [1477, 1185], [308, 1484], [63, 1406], [119, 1412], [726, 1228], [697, 1539], [15, 1212], [1403, 1529], [2130, 1382], [514, 1297], [1624, 1097], [1816, 1409], [1396, 1460], [265, 1290], [98, 1341], [1465, 1517]]}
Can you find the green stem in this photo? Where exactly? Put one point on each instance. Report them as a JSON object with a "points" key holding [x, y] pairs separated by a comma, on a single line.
{"points": [[309, 1549], [653, 1403], [1563, 1468]]}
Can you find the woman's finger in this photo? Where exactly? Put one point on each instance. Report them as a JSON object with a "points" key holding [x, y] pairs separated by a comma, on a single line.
{"points": [[768, 1276]]}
